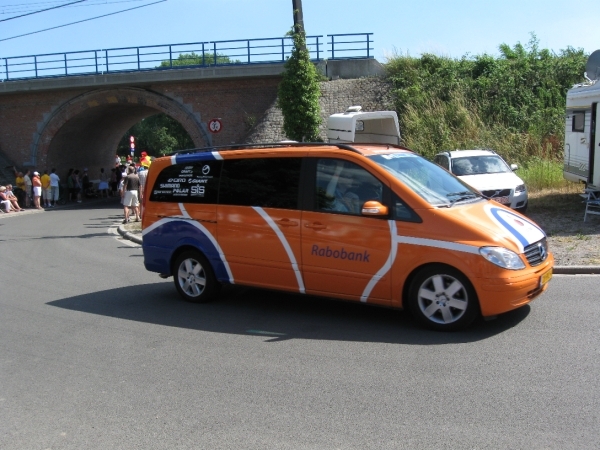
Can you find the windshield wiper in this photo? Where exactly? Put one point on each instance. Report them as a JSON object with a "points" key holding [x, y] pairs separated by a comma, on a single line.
{"points": [[462, 195]]}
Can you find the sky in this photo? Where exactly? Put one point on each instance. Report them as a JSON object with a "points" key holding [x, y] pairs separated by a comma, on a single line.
{"points": [[446, 28]]}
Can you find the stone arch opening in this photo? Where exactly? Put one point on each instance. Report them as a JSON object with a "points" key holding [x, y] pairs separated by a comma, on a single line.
{"points": [[86, 130]]}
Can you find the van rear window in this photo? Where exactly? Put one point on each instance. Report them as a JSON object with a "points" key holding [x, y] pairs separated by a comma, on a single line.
{"points": [[189, 183]]}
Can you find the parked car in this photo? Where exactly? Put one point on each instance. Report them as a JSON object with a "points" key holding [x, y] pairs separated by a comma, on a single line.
{"points": [[487, 172]]}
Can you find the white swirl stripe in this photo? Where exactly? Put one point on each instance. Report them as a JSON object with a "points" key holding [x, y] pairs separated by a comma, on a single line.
{"points": [[285, 244], [397, 239], [386, 266]]}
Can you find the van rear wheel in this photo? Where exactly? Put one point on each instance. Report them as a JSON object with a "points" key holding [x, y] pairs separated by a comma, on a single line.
{"points": [[442, 298], [194, 277]]}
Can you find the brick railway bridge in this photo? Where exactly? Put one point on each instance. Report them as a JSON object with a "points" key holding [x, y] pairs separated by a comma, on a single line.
{"points": [[78, 120]]}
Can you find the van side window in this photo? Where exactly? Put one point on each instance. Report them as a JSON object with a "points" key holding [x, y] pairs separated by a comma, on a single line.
{"points": [[196, 182], [344, 187], [403, 212], [264, 182], [578, 123]]}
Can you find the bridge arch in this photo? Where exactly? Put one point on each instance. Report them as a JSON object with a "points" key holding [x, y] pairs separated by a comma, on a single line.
{"points": [[85, 130]]}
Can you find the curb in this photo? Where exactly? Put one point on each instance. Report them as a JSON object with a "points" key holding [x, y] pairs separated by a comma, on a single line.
{"points": [[127, 235], [576, 270], [557, 270]]}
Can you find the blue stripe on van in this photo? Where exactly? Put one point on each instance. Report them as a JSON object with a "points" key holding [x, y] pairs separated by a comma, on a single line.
{"points": [[194, 157], [159, 244], [522, 239]]}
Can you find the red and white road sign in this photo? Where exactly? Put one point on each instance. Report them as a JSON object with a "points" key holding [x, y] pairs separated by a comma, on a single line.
{"points": [[215, 125]]}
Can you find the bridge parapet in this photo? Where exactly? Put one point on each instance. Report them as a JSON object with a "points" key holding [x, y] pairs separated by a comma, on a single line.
{"points": [[187, 55]]}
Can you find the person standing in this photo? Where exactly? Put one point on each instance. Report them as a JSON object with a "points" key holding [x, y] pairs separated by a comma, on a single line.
{"points": [[131, 187], [76, 185], [70, 187], [37, 190], [145, 161], [28, 188], [142, 174], [85, 182], [45, 179], [20, 188], [103, 186], [54, 187]]}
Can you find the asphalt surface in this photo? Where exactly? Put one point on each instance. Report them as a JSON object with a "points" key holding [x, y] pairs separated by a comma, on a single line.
{"points": [[97, 353]]}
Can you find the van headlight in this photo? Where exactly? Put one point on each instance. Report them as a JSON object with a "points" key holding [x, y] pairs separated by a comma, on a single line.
{"points": [[502, 257], [520, 188]]}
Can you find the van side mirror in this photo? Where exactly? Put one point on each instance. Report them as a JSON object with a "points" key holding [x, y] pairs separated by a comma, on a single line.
{"points": [[514, 167], [374, 208]]}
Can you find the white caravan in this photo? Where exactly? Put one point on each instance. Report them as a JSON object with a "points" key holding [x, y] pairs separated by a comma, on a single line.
{"points": [[582, 132], [363, 127]]}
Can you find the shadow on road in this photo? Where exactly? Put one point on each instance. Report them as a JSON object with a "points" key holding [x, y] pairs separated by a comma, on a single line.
{"points": [[276, 316]]}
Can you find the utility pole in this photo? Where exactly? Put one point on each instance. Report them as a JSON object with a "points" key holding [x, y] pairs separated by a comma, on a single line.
{"points": [[298, 18]]}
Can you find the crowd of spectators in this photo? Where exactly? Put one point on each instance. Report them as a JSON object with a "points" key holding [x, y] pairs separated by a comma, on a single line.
{"points": [[32, 190]]}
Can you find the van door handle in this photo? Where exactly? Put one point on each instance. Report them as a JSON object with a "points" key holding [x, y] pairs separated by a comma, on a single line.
{"points": [[287, 223], [316, 226]]}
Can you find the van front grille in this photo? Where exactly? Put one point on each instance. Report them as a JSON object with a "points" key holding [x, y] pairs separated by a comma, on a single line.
{"points": [[537, 253]]}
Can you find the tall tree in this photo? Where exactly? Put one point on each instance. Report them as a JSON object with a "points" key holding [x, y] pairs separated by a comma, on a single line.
{"points": [[298, 94]]}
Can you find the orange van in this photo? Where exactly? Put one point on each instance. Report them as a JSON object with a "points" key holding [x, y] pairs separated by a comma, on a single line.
{"points": [[363, 222]]}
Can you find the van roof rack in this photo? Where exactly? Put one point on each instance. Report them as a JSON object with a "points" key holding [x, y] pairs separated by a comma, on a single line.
{"points": [[285, 144]]}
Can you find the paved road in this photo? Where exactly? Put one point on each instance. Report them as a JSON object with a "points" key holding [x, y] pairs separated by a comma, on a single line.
{"points": [[97, 353]]}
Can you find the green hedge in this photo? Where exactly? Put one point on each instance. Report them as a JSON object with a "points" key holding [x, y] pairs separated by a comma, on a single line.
{"points": [[513, 103]]}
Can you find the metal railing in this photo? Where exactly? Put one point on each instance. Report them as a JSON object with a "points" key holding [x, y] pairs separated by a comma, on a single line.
{"points": [[171, 56]]}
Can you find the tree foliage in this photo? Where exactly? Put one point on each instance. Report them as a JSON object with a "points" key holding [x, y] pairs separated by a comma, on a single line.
{"points": [[193, 59], [157, 135], [298, 94], [517, 98]]}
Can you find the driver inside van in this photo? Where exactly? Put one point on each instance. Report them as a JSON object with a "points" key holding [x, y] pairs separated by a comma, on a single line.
{"points": [[338, 188]]}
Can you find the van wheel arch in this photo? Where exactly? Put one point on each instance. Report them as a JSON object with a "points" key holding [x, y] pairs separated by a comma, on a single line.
{"points": [[433, 269], [193, 276], [179, 251]]}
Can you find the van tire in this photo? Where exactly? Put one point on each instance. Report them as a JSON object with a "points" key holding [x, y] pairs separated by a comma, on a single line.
{"points": [[194, 278], [441, 298]]}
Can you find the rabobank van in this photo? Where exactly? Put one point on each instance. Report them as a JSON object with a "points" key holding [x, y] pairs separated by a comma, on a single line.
{"points": [[371, 223]]}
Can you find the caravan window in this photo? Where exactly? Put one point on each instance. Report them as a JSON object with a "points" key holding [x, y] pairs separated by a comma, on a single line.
{"points": [[578, 123]]}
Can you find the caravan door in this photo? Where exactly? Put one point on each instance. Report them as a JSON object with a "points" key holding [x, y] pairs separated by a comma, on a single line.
{"points": [[594, 176]]}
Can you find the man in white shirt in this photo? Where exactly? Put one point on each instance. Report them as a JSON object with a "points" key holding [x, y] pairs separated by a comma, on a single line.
{"points": [[54, 188]]}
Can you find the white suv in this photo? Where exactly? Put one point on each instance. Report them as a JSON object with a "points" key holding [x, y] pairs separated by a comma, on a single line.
{"points": [[487, 172]]}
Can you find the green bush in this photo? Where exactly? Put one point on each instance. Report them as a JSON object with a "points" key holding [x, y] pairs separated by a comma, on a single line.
{"points": [[513, 103]]}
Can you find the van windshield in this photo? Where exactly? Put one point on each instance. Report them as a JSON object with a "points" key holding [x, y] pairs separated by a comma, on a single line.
{"points": [[434, 184]]}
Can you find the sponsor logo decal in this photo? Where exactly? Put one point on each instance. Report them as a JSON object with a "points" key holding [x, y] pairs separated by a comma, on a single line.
{"points": [[340, 254]]}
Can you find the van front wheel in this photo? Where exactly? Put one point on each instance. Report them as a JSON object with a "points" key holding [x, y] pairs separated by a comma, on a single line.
{"points": [[442, 298], [194, 278]]}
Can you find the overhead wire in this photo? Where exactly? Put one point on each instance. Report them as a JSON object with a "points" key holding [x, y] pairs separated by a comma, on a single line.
{"points": [[81, 21], [28, 7], [43, 10]]}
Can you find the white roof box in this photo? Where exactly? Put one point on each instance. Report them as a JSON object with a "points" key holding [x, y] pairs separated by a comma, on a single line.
{"points": [[377, 127]]}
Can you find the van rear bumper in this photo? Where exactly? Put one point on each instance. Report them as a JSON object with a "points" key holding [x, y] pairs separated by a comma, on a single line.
{"points": [[500, 295], [157, 259]]}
